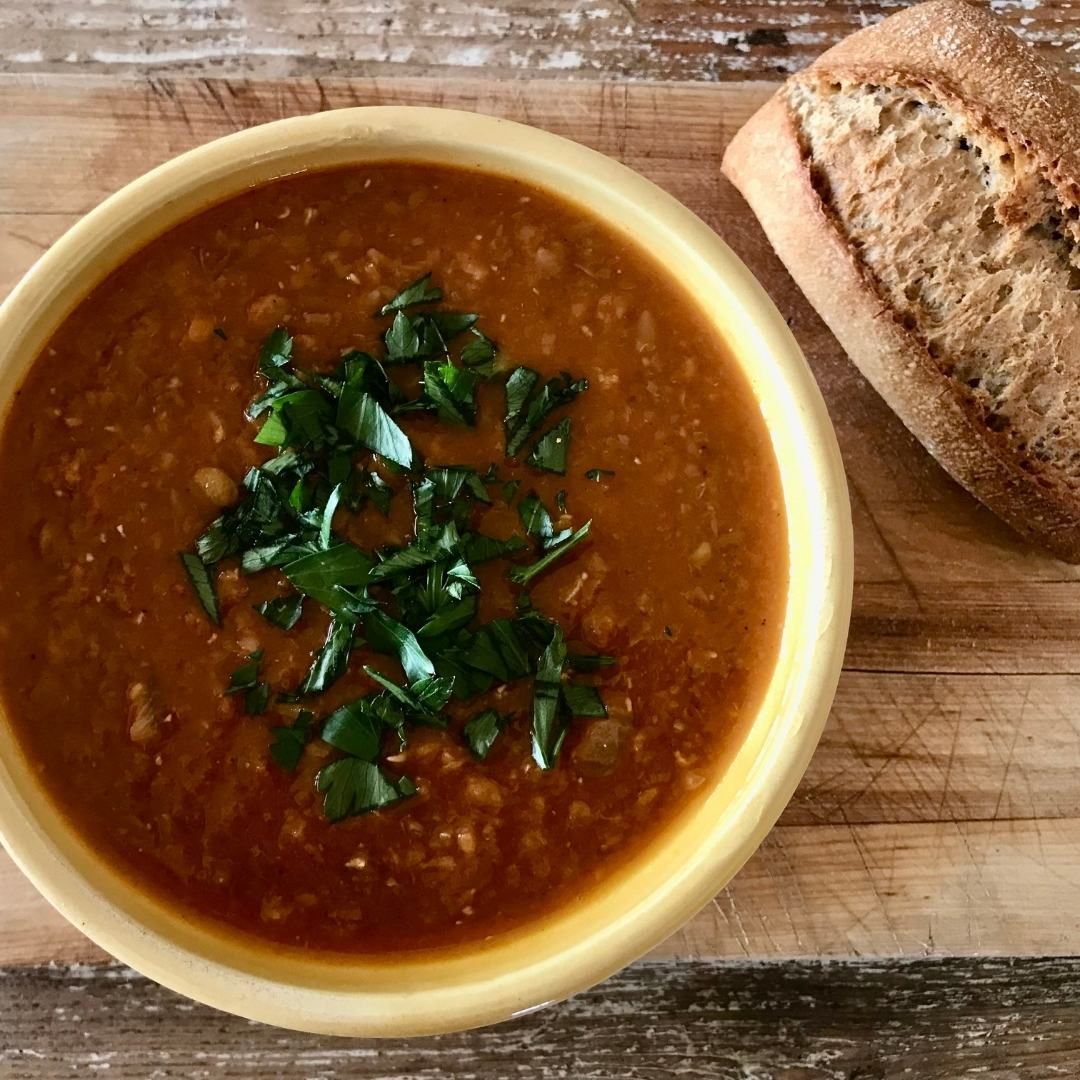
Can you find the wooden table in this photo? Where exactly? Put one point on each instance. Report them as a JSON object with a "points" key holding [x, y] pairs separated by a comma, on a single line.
{"points": [[917, 910]]}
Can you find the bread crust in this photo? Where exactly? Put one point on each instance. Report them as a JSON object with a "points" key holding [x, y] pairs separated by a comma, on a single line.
{"points": [[963, 57]]}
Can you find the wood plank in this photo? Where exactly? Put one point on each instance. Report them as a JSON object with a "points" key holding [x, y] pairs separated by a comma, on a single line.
{"points": [[941, 888], [945, 749], [110, 132], [1000, 1020], [704, 40], [942, 811]]}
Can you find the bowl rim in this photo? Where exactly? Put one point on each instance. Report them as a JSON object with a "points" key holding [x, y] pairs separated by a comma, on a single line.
{"points": [[785, 740]]}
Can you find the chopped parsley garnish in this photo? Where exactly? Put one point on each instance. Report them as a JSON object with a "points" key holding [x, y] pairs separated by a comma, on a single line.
{"points": [[325, 575], [522, 575], [245, 680], [482, 731], [355, 729], [329, 663], [526, 411], [203, 583], [548, 722], [480, 355], [370, 426], [389, 636], [341, 447], [355, 786], [589, 661], [451, 392], [583, 700], [289, 741], [283, 611], [552, 448], [420, 291], [537, 522]]}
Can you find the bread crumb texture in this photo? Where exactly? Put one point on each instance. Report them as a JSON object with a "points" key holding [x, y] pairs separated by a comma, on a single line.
{"points": [[972, 245]]}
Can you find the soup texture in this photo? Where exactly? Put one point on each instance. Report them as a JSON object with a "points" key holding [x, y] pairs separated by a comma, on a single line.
{"points": [[481, 578]]}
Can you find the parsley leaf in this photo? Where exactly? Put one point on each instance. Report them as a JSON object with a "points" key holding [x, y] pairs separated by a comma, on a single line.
{"points": [[283, 611], [534, 517], [537, 522], [451, 392], [361, 374], [289, 741], [405, 559], [589, 661], [257, 699], [432, 694], [319, 573], [551, 449], [203, 583], [299, 418], [526, 411], [548, 728], [327, 521], [454, 482], [368, 423], [522, 575], [480, 354], [425, 699], [354, 728], [354, 786], [276, 353], [329, 663], [246, 675], [583, 700], [477, 548], [482, 731], [421, 291], [245, 680], [598, 474], [519, 385], [448, 619], [441, 327], [402, 340], [389, 636], [497, 649]]}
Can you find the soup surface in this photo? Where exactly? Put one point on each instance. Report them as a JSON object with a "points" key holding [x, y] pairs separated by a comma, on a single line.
{"points": [[288, 807]]}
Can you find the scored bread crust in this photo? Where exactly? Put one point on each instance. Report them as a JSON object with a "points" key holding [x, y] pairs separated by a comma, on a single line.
{"points": [[967, 60]]}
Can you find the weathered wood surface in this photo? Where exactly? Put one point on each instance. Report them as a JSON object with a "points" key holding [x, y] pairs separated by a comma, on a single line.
{"points": [[941, 814], [701, 40], [927, 1020]]}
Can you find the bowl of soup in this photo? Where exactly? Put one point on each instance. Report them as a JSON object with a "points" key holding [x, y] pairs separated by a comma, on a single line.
{"points": [[425, 576]]}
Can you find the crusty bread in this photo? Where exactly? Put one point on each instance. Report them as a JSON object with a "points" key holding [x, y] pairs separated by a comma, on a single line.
{"points": [[920, 182]]}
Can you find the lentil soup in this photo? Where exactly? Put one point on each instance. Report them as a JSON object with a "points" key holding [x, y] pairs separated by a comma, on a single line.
{"points": [[481, 577]]}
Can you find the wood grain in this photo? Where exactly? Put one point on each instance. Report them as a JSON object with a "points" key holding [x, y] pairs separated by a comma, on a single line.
{"points": [[941, 814], [700, 40], [928, 1020]]}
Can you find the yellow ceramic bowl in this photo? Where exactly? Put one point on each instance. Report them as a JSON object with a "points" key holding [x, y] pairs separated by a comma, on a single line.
{"points": [[700, 852]]}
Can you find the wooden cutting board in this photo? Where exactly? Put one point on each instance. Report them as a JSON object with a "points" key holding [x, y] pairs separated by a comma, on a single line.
{"points": [[941, 814]]}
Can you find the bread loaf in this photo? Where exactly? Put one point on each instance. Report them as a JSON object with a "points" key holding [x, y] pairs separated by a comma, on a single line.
{"points": [[920, 182]]}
